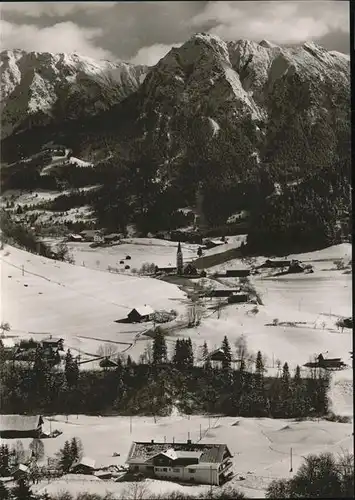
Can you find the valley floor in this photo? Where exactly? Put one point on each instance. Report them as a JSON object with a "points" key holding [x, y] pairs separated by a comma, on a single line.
{"points": [[40, 296]]}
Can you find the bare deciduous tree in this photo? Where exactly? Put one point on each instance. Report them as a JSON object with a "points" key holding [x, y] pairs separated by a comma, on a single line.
{"points": [[241, 347], [107, 350]]}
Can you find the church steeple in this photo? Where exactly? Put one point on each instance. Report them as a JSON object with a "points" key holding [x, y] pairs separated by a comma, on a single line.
{"points": [[179, 260]]}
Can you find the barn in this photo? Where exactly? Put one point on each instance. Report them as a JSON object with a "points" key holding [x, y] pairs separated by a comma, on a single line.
{"points": [[20, 426], [140, 314]]}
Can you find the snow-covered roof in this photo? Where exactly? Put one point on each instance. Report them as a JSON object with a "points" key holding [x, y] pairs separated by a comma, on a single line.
{"points": [[143, 310], [20, 423], [87, 462]]}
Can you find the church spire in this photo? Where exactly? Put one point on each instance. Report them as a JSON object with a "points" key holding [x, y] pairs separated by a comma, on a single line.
{"points": [[179, 260]]}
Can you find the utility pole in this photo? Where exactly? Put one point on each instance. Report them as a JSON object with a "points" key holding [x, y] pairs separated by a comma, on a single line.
{"points": [[200, 433], [291, 468], [23, 270], [130, 424]]}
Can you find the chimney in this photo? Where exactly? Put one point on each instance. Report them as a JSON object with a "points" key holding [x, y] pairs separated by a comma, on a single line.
{"points": [[189, 441], [152, 441], [173, 439]]}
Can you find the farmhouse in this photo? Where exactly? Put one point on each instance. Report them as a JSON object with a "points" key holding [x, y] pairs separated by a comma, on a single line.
{"points": [[20, 426], [237, 273], [191, 462], [84, 466], [140, 314]]}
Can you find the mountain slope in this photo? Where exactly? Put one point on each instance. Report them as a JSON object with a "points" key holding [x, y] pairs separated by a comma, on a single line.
{"points": [[37, 88], [221, 123]]}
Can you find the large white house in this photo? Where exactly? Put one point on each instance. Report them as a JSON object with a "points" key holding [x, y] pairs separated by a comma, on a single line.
{"points": [[191, 462]]}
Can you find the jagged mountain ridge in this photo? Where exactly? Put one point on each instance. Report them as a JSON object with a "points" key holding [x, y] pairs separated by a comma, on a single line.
{"points": [[39, 88], [206, 91], [216, 85]]}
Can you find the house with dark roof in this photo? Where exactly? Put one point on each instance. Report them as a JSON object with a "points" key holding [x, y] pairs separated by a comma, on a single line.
{"points": [[191, 462], [140, 314], [20, 426]]}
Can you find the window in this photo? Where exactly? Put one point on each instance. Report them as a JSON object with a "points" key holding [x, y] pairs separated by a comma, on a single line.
{"points": [[165, 469], [191, 471], [176, 470]]}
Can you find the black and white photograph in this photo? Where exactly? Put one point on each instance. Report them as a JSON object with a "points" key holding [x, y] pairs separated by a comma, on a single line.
{"points": [[176, 250]]}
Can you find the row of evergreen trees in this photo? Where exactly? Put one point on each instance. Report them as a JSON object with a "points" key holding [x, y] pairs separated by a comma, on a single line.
{"points": [[156, 384]]}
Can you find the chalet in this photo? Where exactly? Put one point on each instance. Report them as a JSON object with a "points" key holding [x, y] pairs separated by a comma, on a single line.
{"points": [[140, 314], [237, 273], [217, 358], [55, 343], [76, 238], [20, 426], [236, 298], [190, 462], [84, 466], [91, 235]]}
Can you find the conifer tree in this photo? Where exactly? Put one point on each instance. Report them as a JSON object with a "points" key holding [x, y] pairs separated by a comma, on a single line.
{"points": [[65, 457], [205, 357], [75, 449], [159, 348], [4, 492], [227, 358], [4, 459], [297, 376], [22, 491], [71, 370]]}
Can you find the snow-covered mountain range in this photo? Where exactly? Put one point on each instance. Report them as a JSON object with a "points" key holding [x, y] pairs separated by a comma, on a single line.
{"points": [[37, 87], [206, 95]]}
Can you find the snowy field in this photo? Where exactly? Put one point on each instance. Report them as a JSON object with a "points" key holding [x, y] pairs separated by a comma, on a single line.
{"points": [[261, 447], [77, 303], [81, 304], [141, 250]]}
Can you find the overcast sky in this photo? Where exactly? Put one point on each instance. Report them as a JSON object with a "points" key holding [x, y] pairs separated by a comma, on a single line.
{"points": [[143, 32]]}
